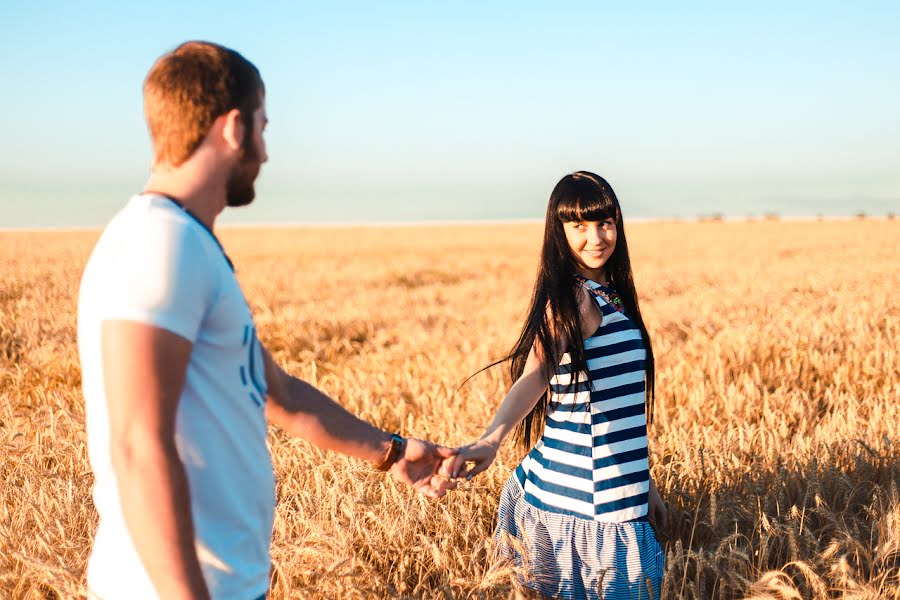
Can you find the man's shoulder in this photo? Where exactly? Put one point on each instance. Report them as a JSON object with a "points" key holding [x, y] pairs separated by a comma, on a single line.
{"points": [[153, 214], [148, 226], [149, 241], [152, 265]]}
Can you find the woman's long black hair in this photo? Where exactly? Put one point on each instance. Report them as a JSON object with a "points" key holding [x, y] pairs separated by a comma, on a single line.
{"points": [[554, 313]]}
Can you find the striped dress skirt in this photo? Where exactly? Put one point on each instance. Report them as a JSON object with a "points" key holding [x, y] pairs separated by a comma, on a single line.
{"points": [[566, 556]]}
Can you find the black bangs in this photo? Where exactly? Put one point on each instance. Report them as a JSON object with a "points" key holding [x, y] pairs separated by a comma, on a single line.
{"points": [[586, 199]]}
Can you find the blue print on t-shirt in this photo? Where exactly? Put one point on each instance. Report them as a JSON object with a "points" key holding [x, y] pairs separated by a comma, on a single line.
{"points": [[252, 376]]}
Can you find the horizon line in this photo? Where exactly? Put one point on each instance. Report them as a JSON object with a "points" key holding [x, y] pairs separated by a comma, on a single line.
{"points": [[713, 218]]}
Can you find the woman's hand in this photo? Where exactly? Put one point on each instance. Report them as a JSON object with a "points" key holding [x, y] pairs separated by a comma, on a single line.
{"points": [[471, 460], [657, 511]]}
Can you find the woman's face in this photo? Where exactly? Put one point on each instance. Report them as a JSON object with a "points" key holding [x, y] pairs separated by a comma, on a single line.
{"points": [[592, 243]]}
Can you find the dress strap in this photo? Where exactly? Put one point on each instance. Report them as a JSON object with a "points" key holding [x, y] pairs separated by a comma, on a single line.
{"points": [[600, 292]]}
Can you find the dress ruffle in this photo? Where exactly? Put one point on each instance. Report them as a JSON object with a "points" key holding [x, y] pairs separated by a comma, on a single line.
{"points": [[565, 556]]}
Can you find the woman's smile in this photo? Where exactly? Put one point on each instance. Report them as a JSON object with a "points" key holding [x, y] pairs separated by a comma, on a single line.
{"points": [[592, 243]]}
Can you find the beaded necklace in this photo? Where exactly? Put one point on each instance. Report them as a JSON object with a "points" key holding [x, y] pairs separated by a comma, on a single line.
{"points": [[607, 293]]}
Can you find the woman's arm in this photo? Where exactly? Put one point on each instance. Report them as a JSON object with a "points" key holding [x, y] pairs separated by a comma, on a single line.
{"points": [[519, 401], [521, 398]]}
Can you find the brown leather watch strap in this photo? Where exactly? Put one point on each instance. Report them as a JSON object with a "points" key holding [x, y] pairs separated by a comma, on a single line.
{"points": [[393, 453]]}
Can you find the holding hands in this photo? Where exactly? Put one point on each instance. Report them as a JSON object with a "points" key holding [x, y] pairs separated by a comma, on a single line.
{"points": [[421, 464], [470, 460], [434, 470]]}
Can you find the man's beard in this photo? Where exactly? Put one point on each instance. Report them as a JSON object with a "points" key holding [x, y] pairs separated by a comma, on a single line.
{"points": [[239, 190]]}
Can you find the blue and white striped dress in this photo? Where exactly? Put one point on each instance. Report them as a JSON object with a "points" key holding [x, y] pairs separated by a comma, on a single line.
{"points": [[573, 515]]}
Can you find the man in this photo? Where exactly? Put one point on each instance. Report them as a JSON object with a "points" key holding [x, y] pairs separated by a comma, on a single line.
{"points": [[178, 388]]}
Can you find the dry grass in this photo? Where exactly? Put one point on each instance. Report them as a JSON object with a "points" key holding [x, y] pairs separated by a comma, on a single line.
{"points": [[776, 443]]}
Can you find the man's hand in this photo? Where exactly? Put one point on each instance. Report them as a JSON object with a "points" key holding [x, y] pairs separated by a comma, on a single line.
{"points": [[307, 412], [658, 512], [418, 466]]}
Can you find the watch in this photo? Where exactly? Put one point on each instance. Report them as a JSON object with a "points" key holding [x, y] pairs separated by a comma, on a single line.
{"points": [[393, 453]]}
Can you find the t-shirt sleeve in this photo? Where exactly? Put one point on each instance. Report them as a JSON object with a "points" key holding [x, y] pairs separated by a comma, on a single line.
{"points": [[160, 275]]}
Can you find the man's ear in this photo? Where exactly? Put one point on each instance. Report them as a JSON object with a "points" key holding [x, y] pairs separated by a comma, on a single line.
{"points": [[233, 130]]}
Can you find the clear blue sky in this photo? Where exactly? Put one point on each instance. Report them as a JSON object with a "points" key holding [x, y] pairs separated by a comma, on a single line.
{"points": [[471, 110]]}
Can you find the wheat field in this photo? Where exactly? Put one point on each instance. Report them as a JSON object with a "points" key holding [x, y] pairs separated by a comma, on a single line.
{"points": [[775, 444]]}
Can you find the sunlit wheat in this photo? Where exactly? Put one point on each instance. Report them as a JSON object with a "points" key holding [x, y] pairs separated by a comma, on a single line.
{"points": [[775, 444]]}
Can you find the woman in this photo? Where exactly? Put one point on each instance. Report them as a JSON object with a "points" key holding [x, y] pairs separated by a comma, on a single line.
{"points": [[575, 514]]}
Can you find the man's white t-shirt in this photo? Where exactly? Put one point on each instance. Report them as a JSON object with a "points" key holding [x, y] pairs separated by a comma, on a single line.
{"points": [[155, 264]]}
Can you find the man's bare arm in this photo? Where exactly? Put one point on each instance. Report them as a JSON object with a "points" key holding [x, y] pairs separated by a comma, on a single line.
{"points": [[304, 411], [144, 370]]}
